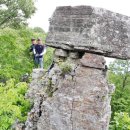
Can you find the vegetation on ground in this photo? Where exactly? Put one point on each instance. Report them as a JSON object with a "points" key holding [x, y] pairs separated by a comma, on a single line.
{"points": [[15, 62], [119, 74], [13, 105]]}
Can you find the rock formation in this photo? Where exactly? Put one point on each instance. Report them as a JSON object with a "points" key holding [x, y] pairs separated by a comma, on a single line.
{"points": [[85, 28], [74, 94]]}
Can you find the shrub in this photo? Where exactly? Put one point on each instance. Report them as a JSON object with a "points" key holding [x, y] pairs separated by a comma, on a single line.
{"points": [[121, 121], [13, 104], [65, 68], [15, 59]]}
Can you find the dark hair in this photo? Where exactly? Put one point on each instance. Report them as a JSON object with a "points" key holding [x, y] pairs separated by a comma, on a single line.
{"points": [[39, 39], [33, 39]]}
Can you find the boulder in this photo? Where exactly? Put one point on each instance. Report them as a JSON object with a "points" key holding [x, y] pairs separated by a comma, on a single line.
{"points": [[74, 94], [61, 53], [93, 60], [79, 104], [79, 100], [90, 29]]}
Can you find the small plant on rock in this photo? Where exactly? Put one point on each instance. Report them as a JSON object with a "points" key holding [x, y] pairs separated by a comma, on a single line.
{"points": [[65, 68]]}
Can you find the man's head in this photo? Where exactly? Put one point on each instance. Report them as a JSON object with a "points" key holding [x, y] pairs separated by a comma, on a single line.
{"points": [[33, 40], [39, 41]]}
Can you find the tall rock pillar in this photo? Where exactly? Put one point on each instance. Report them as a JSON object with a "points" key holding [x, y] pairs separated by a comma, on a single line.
{"points": [[73, 95]]}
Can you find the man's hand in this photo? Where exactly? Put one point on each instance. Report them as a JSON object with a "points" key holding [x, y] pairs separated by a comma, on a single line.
{"points": [[37, 55], [41, 54]]}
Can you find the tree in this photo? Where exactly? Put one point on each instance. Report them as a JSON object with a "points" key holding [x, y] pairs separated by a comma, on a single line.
{"points": [[121, 68], [14, 13], [121, 122], [15, 60], [13, 105], [119, 74], [38, 29]]}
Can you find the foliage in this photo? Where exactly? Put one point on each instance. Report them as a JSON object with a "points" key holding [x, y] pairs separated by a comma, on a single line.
{"points": [[15, 60], [121, 122], [48, 57], [14, 13], [120, 76], [65, 68], [121, 68], [13, 104], [38, 29]]}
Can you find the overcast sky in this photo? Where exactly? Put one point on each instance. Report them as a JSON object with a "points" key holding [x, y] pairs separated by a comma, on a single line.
{"points": [[45, 9]]}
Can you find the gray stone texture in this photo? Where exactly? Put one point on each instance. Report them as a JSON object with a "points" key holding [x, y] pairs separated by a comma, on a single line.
{"points": [[90, 29], [93, 61], [61, 53], [74, 94], [37, 73], [80, 99], [74, 55]]}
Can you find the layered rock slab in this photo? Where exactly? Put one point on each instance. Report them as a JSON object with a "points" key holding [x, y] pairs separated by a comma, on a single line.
{"points": [[90, 29]]}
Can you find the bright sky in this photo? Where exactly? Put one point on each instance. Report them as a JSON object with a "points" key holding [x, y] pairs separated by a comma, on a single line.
{"points": [[45, 9]]}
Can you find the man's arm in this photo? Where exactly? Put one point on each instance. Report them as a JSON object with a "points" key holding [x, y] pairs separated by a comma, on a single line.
{"points": [[34, 51], [44, 51], [31, 48]]}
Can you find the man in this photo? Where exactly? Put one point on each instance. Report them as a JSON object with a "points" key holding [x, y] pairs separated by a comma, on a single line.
{"points": [[33, 40], [39, 51], [32, 47]]}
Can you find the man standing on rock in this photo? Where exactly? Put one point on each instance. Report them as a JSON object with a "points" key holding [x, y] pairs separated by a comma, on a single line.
{"points": [[39, 51], [32, 47]]}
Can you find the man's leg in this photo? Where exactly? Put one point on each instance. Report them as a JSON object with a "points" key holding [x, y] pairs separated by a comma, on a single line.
{"points": [[36, 62], [41, 62]]}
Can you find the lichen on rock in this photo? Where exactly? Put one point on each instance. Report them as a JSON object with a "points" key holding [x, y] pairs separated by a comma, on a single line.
{"points": [[90, 29], [79, 100], [74, 94]]}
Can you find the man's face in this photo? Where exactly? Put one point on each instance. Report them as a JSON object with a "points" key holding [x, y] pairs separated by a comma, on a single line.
{"points": [[39, 41], [34, 42]]}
